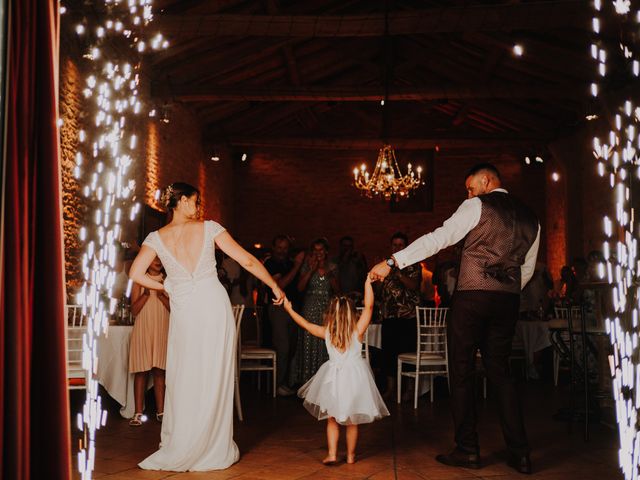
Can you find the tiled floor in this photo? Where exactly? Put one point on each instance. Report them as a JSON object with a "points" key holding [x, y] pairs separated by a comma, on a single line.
{"points": [[280, 440]]}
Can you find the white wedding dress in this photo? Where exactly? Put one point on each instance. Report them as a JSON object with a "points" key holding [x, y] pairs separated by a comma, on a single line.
{"points": [[197, 428]]}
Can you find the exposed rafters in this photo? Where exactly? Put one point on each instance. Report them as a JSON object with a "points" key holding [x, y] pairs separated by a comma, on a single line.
{"points": [[322, 143], [374, 94], [540, 15]]}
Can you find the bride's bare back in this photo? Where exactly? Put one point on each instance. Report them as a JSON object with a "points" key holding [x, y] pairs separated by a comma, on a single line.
{"points": [[185, 242]]}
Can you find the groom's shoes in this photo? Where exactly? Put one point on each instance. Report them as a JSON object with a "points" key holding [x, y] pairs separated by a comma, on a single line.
{"points": [[460, 458], [521, 464]]}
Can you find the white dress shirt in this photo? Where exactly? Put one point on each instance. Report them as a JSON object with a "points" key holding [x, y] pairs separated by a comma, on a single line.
{"points": [[454, 229]]}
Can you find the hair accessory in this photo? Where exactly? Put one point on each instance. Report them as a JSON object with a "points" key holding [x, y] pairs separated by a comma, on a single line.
{"points": [[166, 196]]}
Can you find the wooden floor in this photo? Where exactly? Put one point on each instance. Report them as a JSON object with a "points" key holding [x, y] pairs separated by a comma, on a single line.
{"points": [[280, 440]]}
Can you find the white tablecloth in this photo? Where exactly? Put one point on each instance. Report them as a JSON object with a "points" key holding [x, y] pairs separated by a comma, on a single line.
{"points": [[534, 336], [374, 335], [113, 367]]}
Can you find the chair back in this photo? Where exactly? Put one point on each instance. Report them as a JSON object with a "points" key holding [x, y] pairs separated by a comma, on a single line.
{"points": [[255, 314], [561, 312], [432, 331], [74, 315], [75, 341], [238, 311], [575, 314]]}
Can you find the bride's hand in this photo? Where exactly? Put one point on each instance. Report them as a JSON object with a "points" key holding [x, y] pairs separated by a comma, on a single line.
{"points": [[278, 294]]}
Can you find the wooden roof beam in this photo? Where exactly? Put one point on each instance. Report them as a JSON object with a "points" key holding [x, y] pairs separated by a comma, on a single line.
{"points": [[538, 15], [214, 93], [505, 141]]}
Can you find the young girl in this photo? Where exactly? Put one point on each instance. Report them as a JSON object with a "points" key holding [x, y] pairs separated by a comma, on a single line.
{"points": [[148, 348], [343, 390]]}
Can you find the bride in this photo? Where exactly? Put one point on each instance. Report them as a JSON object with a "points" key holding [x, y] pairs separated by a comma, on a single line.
{"points": [[197, 428]]}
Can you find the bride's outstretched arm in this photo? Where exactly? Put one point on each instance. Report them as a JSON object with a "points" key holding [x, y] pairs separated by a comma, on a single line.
{"points": [[138, 270], [228, 245]]}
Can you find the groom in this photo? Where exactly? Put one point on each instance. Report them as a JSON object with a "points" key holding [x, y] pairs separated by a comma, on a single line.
{"points": [[501, 237]]}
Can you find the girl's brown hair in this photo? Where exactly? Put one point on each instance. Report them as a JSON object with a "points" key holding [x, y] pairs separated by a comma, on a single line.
{"points": [[340, 320]]}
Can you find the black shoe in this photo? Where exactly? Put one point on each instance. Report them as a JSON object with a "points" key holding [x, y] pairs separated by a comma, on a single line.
{"points": [[521, 464], [459, 458]]}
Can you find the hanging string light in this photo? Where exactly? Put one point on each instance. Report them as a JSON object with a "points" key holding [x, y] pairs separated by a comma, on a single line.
{"points": [[617, 161], [107, 150]]}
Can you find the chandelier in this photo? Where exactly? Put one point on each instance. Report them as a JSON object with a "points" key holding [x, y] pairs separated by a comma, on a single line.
{"points": [[387, 180]]}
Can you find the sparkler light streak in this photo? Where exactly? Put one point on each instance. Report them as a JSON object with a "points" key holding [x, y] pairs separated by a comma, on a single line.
{"points": [[108, 148], [617, 156]]}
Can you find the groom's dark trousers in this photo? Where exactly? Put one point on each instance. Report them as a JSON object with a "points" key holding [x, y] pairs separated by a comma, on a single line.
{"points": [[484, 320]]}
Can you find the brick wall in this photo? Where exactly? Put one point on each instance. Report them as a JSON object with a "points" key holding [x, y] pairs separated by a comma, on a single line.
{"points": [[175, 152], [588, 197], [171, 152], [73, 210], [308, 194]]}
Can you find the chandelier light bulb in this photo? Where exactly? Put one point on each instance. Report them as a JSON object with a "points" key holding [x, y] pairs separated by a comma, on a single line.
{"points": [[387, 180]]}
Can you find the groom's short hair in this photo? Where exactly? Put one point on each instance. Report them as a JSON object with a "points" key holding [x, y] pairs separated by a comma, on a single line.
{"points": [[483, 167]]}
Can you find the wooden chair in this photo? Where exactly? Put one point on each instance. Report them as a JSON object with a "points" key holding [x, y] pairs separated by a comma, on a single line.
{"points": [[238, 311], [431, 357], [75, 335], [559, 341], [254, 358]]}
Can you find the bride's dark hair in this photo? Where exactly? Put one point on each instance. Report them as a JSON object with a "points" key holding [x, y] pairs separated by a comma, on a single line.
{"points": [[174, 192]]}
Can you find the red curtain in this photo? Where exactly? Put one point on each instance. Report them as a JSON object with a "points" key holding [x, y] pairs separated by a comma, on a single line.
{"points": [[34, 416]]}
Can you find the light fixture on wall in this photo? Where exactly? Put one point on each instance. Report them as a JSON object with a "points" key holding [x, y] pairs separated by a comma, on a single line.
{"points": [[535, 155]]}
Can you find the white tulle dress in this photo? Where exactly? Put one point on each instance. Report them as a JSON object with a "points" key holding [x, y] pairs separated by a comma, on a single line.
{"points": [[197, 429], [343, 388]]}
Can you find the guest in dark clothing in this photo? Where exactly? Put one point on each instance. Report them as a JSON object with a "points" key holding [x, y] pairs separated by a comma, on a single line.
{"points": [[445, 278], [352, 268], [399, 296], [285, 272], [318, 282]]}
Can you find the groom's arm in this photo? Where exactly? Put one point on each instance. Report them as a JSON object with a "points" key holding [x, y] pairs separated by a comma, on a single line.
{"points": [[454, 229], [529, 266]]}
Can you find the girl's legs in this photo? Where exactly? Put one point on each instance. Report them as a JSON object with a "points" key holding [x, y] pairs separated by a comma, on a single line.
{"points": [[333, 434], [158, 388], [352, 440], [139, 384]]}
